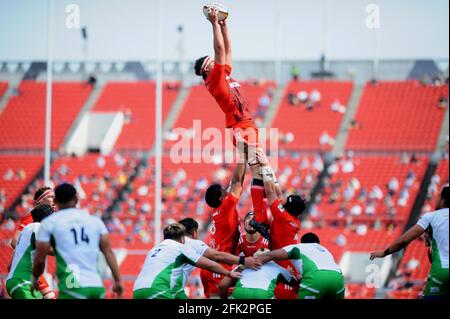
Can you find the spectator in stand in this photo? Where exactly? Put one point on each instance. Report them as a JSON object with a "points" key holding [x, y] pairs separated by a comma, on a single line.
{"points": [[356, 210], [403, 198], [326, 139], [393, 186], [443, 102], [376, 193], [8, 175], [370, 208], [355, 125], [315, 97], [302, 97], [347, 163], [362, 197], [293, 99], [295, 73], [410, 179], [341, 240]]}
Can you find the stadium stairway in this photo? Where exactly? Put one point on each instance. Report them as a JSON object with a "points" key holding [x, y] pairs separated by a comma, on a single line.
{"points": [[274, 105], [176, 107], [352, 107], [88, 105], [443, 134], [421, 197], [5, 97]]}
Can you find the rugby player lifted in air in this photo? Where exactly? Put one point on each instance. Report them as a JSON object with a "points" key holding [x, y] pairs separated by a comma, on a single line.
{"points": [[232, 100]]}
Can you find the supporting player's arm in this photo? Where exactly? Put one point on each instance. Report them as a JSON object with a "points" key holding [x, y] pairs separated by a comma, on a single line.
{"points": [[227, 42], [237, 179], [105, 247], [413, 233], [214, 267], [271, 186], [219, 45], [229, 259]]}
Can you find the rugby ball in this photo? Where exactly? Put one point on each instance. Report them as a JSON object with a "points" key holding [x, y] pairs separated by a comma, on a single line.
{"points": [[222, 10]]}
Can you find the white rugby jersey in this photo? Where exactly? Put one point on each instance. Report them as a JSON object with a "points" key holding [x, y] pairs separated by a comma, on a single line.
{"points": [[164, 267], [199, 247], [308, 258], [22, 263], [75, 236], [437, 223], [265, 278]]}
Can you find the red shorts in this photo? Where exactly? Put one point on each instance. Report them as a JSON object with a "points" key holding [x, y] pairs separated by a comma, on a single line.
{"points": [[210, 283], [247, 131], [283, 291]]}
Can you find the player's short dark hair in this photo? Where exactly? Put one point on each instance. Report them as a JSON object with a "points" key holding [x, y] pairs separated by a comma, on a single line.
{"points": [[65, 193], [250, 213], [174, 231], [190, 224], [212, 196], [445, 195], [310, 238], [198, 67], [295, 205], [40, 191], [41, 211]]}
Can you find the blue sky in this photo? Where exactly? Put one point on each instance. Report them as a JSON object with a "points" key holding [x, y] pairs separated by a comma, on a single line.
{"points": [[126, 29]]}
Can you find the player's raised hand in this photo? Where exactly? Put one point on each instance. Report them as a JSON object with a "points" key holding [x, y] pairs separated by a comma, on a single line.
{"points": [[252, 263], [213, 16], [262, 158], [118, 289], [377, 254]]}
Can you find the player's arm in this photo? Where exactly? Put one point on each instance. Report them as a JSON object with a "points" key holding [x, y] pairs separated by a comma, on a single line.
{"points": [[227, 42], [271, 186], [105, 247], [413, 233], [275, 255], [15, 239], [227, 283], [219, 45], [214, 267], [237, 179], [42, 249], [229, 259]]}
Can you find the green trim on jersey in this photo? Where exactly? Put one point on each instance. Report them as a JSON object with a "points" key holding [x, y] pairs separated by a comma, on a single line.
{"points": [[24, 268], [21, 289], [161, 286], [250, 293], [437, 284], [436, 263], [83, 293], [65, 274], [241, 292]]}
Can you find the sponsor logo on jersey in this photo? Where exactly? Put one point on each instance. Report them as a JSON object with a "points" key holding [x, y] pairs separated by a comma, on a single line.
{"points": [[234, 85], [281, 208]]}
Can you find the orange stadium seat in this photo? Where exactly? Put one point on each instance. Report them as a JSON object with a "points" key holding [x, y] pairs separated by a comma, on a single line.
{"points": [[308, 126], [138, 98], [398, 116], [22, 122]]}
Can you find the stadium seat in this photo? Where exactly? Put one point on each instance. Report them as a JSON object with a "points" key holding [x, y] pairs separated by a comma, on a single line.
{"points": [[398, 116], [22, 122]]}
